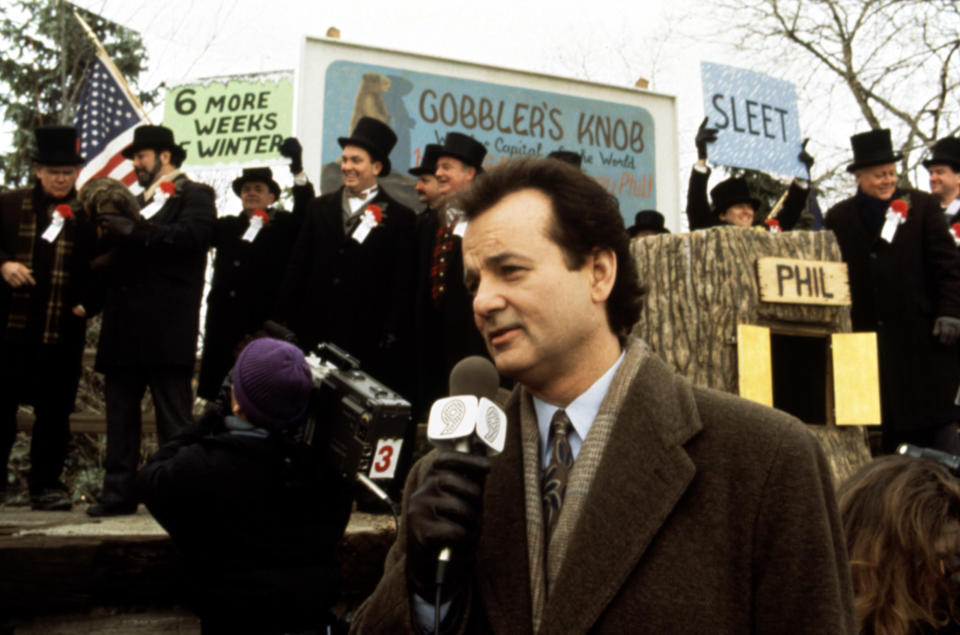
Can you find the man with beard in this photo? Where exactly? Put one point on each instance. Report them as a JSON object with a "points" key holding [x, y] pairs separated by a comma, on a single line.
{"points": [[252, 252], [427, 186], [151, 310], [444, 319], [905, 285], [46, 243]]}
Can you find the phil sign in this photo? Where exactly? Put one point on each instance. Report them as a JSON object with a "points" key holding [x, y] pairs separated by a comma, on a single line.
{"points": [[756, 118], [625, 138], [231, 120]]}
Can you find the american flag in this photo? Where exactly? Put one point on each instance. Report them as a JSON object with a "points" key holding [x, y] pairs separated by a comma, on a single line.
{"points": [[105, 121]]}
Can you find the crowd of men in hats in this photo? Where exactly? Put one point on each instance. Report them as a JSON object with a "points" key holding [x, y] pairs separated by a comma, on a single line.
{"points": [[410, 295]]}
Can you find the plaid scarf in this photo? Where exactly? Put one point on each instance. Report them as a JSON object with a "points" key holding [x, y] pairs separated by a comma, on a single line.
{"points": [[22, 296]]}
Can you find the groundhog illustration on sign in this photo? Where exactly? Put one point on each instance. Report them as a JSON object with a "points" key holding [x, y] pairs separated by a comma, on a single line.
{"points": [[369, 101]]}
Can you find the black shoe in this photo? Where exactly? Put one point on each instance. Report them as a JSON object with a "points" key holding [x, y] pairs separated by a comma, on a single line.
{"points": [[51, 500], [102, 511]]}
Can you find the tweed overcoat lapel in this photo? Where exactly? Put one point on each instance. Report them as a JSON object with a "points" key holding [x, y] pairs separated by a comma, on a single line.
{"points": [[502, 562]]}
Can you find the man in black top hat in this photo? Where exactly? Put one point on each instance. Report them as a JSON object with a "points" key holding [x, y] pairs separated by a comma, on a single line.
{"points": [[46, 243], [733, 204], [151, 312], [573, 158], [350, 277], [648, 222], [427, 186], [905, 285], [444, 315], [253, 249], [944, 169]]}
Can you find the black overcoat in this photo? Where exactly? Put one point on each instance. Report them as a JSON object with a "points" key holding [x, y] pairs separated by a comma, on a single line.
{"points": [[246, 278], [79, 290], [257, 521], [357, 295], [151, 312], [898, 289], [445, 330]]}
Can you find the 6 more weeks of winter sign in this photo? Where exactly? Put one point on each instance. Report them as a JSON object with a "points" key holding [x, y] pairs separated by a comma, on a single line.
{"points": [[231, 120], [756, 117]]}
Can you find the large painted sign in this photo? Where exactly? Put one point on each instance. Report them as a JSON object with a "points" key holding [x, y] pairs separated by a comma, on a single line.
{"points": [[231, 120], [758, 125], [626, 137]]}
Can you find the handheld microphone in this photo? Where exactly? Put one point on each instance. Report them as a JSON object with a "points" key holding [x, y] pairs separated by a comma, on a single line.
{"points": [[468, 421]]}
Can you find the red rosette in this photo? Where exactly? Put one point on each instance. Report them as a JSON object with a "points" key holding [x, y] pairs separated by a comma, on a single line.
{"points": [[167, 187], [772, 224], [64, 210], [262, 215], [376, 211], [900, 207], [955, 228]]}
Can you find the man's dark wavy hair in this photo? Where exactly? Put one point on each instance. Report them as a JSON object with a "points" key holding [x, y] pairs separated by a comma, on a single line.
{"points": [[585, 217]]}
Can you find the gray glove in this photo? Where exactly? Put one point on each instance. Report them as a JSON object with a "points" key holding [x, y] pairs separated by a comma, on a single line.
{"points": [[947, 329]]}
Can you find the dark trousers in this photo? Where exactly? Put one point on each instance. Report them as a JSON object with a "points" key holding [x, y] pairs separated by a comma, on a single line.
{"points": [[125, 386], [47, 378]]}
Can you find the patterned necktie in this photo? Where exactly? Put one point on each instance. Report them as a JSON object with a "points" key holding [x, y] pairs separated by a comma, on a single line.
{"points": [[555, 476]]}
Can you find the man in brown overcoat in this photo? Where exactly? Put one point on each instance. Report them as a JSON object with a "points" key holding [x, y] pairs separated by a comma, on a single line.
{"points": [[663, 508]]}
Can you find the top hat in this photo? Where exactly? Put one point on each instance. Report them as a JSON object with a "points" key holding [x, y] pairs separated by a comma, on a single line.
{"points": [[872, 148], [648, 219], [573, 158], [57, 145], [946, 151], [731, 192], [256, 175], [156, 138], [429, 163], [375, 137], [465, 148]]}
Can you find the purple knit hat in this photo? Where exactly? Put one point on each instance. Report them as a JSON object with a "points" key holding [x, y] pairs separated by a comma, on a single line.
{"points": [[272, 382]]}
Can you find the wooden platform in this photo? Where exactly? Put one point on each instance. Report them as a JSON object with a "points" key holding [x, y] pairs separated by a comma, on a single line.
{"points": [[67, 562]]}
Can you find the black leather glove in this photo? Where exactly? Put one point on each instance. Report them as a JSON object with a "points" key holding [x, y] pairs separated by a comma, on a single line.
{"points": [[704, 136], [947, 329], [445, 511], [116, 225], [805, 157], [292, 149]]}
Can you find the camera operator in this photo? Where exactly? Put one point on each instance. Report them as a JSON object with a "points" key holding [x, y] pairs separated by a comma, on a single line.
{"points": [[255, 514]]}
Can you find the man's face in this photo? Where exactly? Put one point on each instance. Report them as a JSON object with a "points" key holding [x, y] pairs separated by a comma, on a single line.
{"points": [[428, 189], [453, 175], [740, 215], [359, 171], [538, 318], [944, 183], [147, 165], [56, 180], [878, 181], [256, 195]]}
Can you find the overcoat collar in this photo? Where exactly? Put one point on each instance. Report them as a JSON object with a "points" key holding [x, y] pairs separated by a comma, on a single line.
{"points": [[643, 474]]}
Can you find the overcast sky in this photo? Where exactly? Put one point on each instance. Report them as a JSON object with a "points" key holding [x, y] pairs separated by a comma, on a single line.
{"points": [[608, 41]]}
